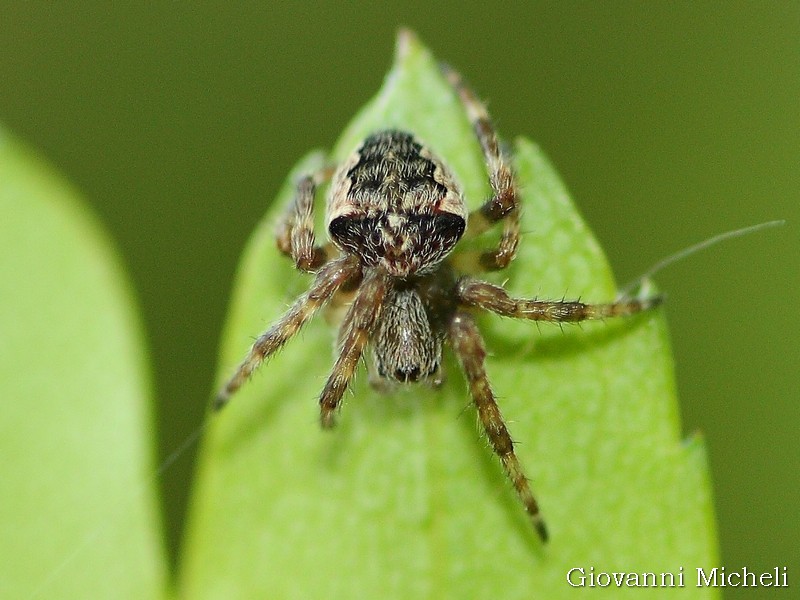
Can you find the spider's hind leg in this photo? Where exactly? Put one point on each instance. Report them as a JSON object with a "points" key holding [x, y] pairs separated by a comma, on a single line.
{"points": [[504, 204], [295, 232]]}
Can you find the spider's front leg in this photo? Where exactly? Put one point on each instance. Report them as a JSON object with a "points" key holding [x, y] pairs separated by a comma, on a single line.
{"points": [[469, 349], [480, 294], [354, 334], [330, 278], [295, 231]]}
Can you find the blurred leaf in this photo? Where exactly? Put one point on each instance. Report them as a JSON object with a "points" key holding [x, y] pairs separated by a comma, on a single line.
{"points": [[78, 515], [403, 499]]}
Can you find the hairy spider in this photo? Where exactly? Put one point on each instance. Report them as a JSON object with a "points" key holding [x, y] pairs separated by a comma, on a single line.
{"points": [[394, 215]]}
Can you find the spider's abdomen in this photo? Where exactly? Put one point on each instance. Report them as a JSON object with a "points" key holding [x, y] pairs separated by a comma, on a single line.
{"points": [[396, 205]]}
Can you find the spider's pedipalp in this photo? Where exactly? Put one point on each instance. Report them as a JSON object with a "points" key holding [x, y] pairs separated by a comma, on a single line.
{"points": [[330, 278], [469, 349], [504, 205]]}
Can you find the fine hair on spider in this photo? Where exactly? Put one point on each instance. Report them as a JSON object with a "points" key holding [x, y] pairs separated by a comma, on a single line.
{"points": [[395, 213]]}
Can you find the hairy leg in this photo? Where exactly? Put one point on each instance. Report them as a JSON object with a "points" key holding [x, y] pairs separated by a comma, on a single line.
{"points": [[493, 298], [469, 348], [295, 232], [504, 205], [354, 335], [330, 278]]}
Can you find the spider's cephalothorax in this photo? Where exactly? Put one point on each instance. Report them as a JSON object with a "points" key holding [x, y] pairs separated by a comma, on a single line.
{"points": [[403, 288]]}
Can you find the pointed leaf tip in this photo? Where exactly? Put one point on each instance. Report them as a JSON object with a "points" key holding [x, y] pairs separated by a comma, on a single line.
{"points": [[402, 499]]}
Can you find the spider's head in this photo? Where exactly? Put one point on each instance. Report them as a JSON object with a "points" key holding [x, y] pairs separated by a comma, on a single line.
{"points": [[405, 347]]}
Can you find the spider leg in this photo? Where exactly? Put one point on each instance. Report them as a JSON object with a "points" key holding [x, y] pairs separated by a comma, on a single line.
{"points": [[295, 231], [504, 205], [330, 278], [471, 353], [354, 335], [493, 298]]}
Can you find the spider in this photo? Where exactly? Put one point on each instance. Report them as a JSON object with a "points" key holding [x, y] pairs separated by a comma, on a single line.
{"points": [[395, 213]]}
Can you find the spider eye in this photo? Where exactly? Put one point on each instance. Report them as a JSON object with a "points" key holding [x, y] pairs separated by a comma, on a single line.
{"points": [[407, 374]]}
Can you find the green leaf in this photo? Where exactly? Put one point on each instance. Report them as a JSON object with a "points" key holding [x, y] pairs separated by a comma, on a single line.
{"points": [[404, 499], [78, 513]]}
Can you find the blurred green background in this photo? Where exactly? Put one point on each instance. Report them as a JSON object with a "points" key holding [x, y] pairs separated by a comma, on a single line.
{"points": [[669, 123]]}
